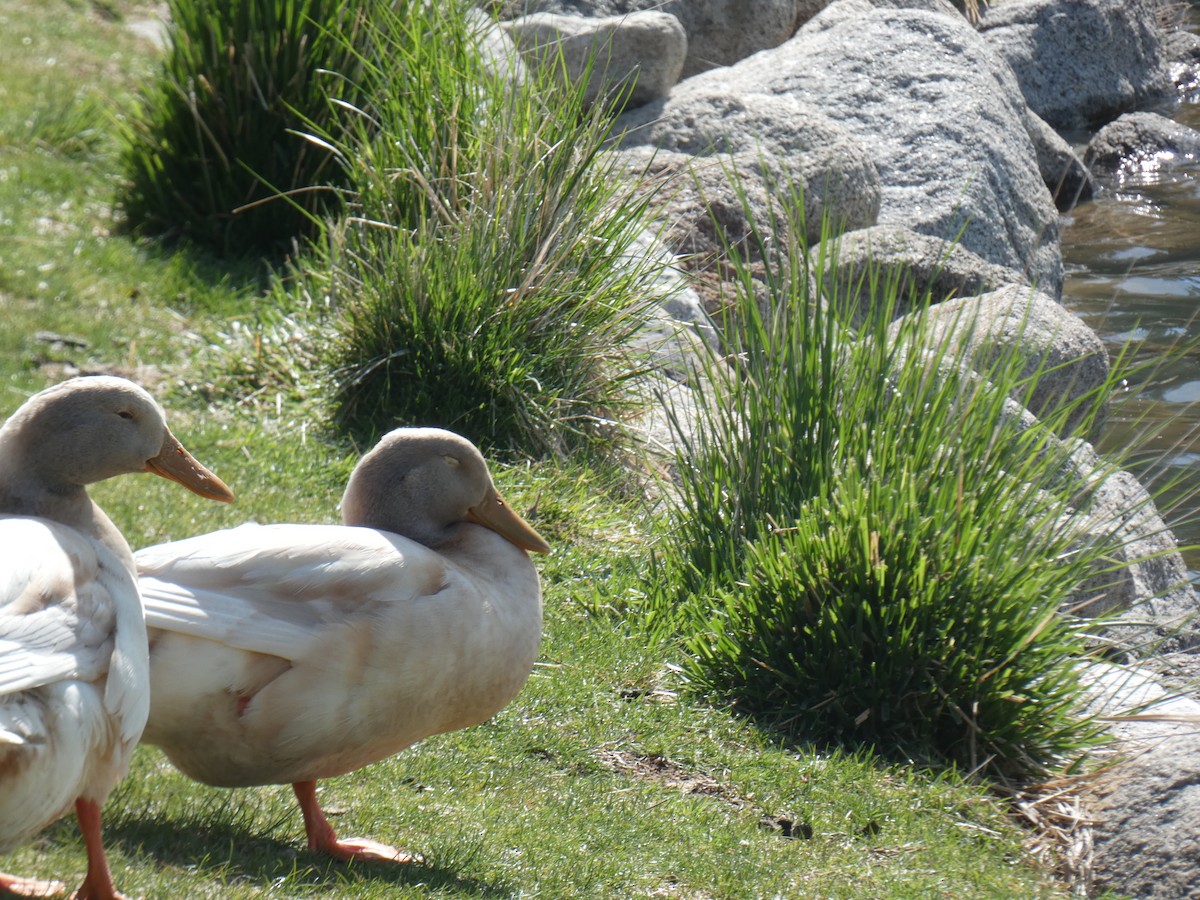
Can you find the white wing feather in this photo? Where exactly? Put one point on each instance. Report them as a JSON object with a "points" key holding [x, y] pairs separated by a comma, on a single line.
{"points": [[56, 616], [273, 588]]}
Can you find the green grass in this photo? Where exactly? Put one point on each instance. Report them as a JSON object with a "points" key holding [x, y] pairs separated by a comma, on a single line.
{"points": [[606, 778], [482, 271], [537, 803]]}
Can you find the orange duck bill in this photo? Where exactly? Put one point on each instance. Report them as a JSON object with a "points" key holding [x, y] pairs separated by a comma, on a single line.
{"points": [[175, 464], [497, 515]]}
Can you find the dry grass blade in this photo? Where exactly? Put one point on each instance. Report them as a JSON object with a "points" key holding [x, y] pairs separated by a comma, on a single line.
{"points": [[1056, 815]]}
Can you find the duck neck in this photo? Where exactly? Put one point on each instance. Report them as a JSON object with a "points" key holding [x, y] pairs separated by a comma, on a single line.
{"points": [[393, 512], [25, 492]]}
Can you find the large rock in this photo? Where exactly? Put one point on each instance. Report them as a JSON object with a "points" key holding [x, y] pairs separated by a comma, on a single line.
{"points": [[1081, 63], [940, 115], [1147, 588], [917, 264], [675, 336], [1183, 55], [1142, 581], [1145, 800], [1063, 172], [807, 9], [731, 161], [719, 32], [707, 211], [945, 7], [1017, 322], [1142, 141], [766, 136], [496, 48], [640, 55]]}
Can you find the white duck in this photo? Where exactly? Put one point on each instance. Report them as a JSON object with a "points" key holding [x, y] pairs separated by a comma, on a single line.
{"points": [[74, 683], [287, 653]]}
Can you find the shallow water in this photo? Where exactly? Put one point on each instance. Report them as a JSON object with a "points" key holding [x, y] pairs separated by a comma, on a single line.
{"points": [[1132, 260]]}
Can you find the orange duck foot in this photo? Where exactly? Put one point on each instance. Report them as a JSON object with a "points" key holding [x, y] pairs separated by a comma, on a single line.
{"points": [[323, 839], [30, 887], [363, 848]]}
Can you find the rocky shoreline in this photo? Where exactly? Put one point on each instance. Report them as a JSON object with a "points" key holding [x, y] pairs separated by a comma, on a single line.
{"points": [[941, 145]]}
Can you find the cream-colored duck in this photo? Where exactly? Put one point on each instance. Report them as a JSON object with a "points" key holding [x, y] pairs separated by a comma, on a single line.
{"points": [[74, 680], [288, 653]]}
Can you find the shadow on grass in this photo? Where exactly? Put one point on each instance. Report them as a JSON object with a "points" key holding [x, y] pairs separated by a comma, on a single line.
{"points": [[247, 854], [194, 279]]}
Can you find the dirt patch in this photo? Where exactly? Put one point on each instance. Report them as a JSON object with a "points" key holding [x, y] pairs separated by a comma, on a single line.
{"points": [[668, 773]]}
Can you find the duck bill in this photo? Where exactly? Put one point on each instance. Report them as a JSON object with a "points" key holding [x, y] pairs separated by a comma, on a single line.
{"points": [[175, 464], [495, 514]]}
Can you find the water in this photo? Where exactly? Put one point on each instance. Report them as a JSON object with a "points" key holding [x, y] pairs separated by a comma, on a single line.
{"points": [[1132, 261]]}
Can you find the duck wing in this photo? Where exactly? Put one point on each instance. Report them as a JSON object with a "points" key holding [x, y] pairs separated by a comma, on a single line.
{"points": [[273, 589], [68, 610]]}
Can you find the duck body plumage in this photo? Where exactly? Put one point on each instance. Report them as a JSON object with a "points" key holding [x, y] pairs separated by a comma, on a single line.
{"points": [[289, 653], [73, 673]]}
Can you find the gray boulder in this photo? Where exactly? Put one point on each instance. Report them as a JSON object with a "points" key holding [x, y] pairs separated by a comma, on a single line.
{"points": [[940, 115], [1081, 63], [1150, 594], [1143, 584], [641, 53], [729, 162], [767, 136], [496, 48], [1061, 169], [944, 7], [1145, 799], [680, 327], [672, 419], [1183, 55], [1035, 329], [808, 9], [917, 264], [1063, 172], [1141, 141], [1143, 589], [719, 32], [707, 208]]}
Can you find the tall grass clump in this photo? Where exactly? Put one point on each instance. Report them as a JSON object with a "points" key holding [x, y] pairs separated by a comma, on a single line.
{"points": [[211, 143], [488, 273], [868, 543]]}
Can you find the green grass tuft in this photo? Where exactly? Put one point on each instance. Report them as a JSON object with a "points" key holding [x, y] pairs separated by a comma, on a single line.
{"points": [[211, 143], [486, 276], [869, 544]]}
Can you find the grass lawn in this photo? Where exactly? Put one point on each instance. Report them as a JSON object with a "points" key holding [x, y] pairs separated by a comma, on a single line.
{"points": [[605, 778]]}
